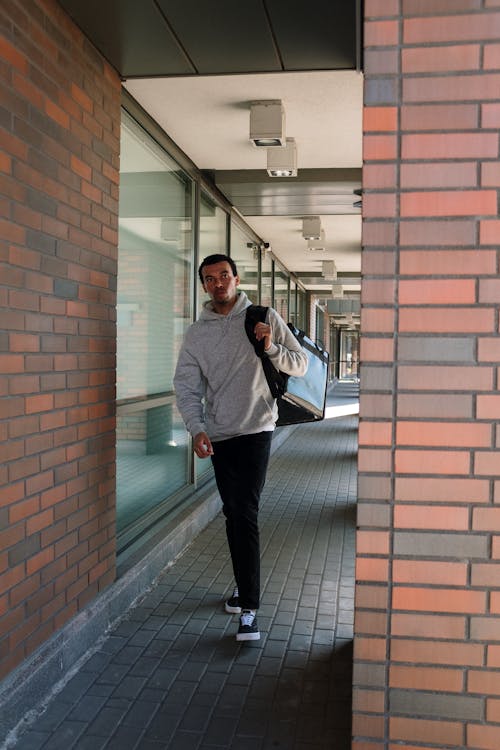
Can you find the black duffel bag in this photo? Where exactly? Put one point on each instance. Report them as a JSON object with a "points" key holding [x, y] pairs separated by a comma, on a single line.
{"points": [[300, 399]]}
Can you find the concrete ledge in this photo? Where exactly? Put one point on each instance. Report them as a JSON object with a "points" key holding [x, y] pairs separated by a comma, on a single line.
{"points": [[26, 691]]}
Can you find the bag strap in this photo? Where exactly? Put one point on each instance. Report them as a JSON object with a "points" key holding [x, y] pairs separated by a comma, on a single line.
{"points": [[276, 380]]}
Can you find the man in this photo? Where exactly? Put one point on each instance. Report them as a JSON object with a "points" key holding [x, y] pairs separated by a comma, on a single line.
{"points": [[225, 402]]}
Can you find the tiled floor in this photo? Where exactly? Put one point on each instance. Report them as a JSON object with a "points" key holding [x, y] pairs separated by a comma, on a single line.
{"points": [[172, 677]]}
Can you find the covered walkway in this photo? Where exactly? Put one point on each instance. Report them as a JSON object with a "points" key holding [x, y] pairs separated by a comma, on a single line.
{"points": [[172, 676]]}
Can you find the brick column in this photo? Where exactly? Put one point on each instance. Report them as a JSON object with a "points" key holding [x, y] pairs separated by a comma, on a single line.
{"points": [[427, 643], [59, 132]]}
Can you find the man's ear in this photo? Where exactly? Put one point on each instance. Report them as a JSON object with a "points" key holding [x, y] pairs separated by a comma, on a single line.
{"points": [[237, 279]]}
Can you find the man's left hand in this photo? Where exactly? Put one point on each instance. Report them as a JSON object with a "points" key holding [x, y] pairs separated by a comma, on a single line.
{"points": [[263, 331]]}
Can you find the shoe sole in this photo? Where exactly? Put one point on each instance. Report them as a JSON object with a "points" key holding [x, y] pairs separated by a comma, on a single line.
{"points": [[247, 636], [232, 610]]}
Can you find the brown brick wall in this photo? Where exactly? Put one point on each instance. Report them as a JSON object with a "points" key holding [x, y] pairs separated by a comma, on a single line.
{"points": [[427, 643], [59, 137]]}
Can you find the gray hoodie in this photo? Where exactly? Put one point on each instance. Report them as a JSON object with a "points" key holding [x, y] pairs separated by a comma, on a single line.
{"points": [[219, 381]]}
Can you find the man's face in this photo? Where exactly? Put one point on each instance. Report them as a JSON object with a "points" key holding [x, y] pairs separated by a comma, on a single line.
{"points": [[220, 284]]}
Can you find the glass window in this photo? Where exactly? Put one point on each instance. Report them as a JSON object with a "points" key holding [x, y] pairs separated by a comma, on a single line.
{"points": [[293, 304], [153, 311], [266, 281], [281, 292], [301, 309], [213, 239], [213, 227], [247, 262]]}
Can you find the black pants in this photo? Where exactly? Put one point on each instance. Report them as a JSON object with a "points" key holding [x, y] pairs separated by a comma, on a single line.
{"points": [[240, 466]]}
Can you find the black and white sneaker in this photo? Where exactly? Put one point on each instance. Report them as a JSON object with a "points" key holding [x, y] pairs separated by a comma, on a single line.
{"points": [[248, 630], [232, 605]]}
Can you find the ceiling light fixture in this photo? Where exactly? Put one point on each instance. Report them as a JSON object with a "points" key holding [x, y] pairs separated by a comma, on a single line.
{"points": [[311, 227], [267, 123], [317, 244], [329, 270], [282, 162]]}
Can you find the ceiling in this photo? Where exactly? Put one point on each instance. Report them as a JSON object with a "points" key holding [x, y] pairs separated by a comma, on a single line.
{"points": [[196, 66]]}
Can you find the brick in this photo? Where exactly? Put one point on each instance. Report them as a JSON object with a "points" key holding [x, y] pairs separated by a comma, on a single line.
{"points": [[371, 569], [434, 705], [486, 464], [449, 145], [446, 88], [495, 602], [443, 378], [436, 349], [446, 434], [378, 292], [437, 7], [493, 710], [438, 174], [442, 406], [447, 262], [485, 628], [490, 116], [439, 59], [432, 462], [373, 542], [449, 28], [428, 517], [377, 378], [439, 117], [373, 623], [426, 678], [24, 342], [426, 626], [485, 574], [370, 701], [377, 320], [375, 433], [439, 600], [489, 288], [484, 737], [379, 176], [435, 232], [448, 203], [369, 649], [39, 403], [378, 233], [374, 406], [435, 572], [437, 653], [488, 407], [373, 515], [483, 682], [493, 656], [488, 349], [381, 33], [371, 597], [373, 487], [426, 730], [374, 460], [382, 148], [431, 545], [437, 292], [380, 119]]}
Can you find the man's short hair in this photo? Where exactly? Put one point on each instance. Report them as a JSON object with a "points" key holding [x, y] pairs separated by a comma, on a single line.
{"points": [[216, 258]]}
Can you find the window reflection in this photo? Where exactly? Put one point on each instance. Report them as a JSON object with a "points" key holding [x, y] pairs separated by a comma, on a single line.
{"points": [[153, 312], [247, 262]]}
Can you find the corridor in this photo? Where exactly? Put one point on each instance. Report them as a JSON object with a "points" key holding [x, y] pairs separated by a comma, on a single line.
{"points": [[172, 677]]}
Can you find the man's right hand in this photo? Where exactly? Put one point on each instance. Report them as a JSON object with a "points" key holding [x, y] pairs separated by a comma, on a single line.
{"points": [[202, 445]]}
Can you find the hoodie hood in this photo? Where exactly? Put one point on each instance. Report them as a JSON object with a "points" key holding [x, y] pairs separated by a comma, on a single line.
{"points": [[241, 304]]}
